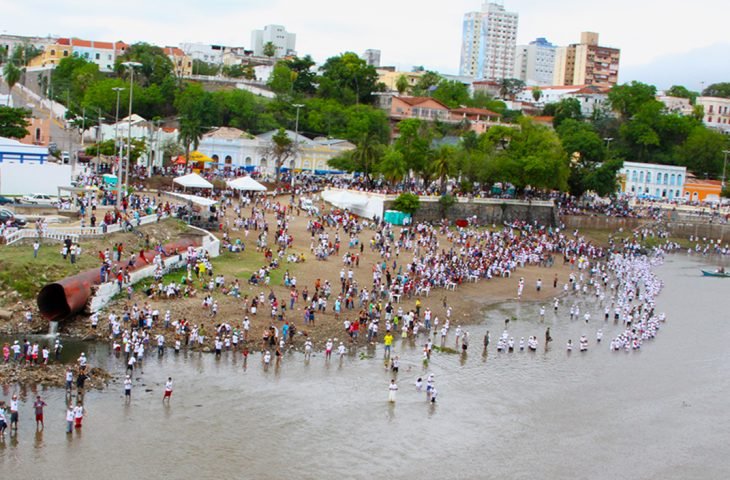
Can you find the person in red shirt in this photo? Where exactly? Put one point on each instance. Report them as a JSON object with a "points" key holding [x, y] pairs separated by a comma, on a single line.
{"points": [[142, 257]]}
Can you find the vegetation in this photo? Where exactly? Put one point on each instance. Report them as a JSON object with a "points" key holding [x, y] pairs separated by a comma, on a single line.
{"points": [[14, 122], [407, 203]]}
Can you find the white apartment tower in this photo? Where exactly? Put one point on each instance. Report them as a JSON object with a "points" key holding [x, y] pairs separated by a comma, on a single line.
{"points": [[534, 62], [284, 42], [488, 42]]}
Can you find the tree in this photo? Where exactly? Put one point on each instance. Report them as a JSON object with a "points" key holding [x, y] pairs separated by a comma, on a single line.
{"points": [[234, 71], [281, 148], [269, 49], [426, 84], [582, 138], [281, 80], [204, 68], [604, 179], [304, 76], [446, 201], [628, 98], [536, 94], [442, 164], [407, 203], [682, 92], [702, 152], [348, 79], [509, 87], [717, 90], [451, 93], [14, 122], [11, 74], [566, 108], [401, 84], [363, 159], [414, 143], [156, 65], [190, 132], [393, 166], [24, 53]]}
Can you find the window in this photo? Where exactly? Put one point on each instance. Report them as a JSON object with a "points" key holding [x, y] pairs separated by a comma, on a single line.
{"points": [[215, 158], [679, 179], [65, 53], [53, 53], [641, 177], [666, 179], [97, 56], [247, 162], [672, 179], [228, 160]]}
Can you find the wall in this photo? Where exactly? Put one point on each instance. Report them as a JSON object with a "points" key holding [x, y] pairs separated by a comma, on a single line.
{"points": [[602, 222], [32, 177], [487, 210]]}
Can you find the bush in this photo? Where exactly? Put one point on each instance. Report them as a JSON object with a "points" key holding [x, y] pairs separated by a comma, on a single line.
{"points": [[407, 203], [446, 201]]}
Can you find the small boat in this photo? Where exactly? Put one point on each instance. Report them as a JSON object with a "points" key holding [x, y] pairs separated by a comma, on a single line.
{"points": [[716, 273]]}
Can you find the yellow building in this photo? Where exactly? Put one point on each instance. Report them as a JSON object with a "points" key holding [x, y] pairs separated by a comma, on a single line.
{"points": [[182, 64], [390, 78], [53, 53]]}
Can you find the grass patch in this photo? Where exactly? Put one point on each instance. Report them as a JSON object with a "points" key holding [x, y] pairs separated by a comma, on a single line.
{"points": [[27, 275]]}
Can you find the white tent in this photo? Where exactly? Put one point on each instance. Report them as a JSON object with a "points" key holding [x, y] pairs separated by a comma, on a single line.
{"points": [[246, 183], [344, 199], [202, 201], [193, 180]]}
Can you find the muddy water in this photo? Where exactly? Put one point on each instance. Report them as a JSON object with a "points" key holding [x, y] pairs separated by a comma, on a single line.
{"points": [[658, 413]]}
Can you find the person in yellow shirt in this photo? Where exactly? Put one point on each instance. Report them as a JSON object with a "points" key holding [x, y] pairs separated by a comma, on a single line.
{"points": [[388, 341]]}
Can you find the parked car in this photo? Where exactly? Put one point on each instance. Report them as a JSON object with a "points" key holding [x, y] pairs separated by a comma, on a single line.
{"points": [[38, 199], [15, 220], [6, 200]]}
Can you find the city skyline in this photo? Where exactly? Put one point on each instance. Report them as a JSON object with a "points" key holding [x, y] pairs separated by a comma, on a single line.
{"points": [[408, 33]]}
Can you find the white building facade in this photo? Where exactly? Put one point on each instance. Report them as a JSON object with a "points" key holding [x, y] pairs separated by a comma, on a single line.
{"points": [[488, 43], [285, 43], [717, 112], [534, 62], [204, 52], [653, 180]]}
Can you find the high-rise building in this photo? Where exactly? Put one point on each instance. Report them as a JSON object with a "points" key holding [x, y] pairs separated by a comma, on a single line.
{"points": [[586, 63], [488, 43], [534, 62], [372, 57], [284, 42]]}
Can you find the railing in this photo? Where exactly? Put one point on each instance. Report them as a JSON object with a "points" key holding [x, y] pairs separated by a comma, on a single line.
{"points": [[76, 233]]}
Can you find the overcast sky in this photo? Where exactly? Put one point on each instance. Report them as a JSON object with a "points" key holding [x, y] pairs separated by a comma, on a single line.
{"points": [[681, 39]]}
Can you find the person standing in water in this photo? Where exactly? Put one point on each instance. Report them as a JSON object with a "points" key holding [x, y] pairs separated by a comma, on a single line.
{"points": [[168, 390], [392, 389]]}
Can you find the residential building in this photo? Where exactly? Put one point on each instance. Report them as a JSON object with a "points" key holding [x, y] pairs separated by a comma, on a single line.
{"points": [[534, 62], [592, 98], [8, 43], [53, 53], [422, 108], [550, 94], [372, 57], [586, 63], [39, 131], [697, 190], [679, 105], [284, 42], [204, 52], [480, 120], [487, 87], [103, 54], [6, 100], [653, 180], [182, 64], [389, 77], [716, 112], [488, 42]]}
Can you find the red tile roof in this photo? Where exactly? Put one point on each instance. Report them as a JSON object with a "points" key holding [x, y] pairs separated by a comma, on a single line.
{"points": [[475, 111], [174, 51], [413, 101]]}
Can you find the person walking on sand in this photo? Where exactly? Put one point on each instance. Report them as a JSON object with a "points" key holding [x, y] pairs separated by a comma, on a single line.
{"points": [[168, 390], [392, 389]]}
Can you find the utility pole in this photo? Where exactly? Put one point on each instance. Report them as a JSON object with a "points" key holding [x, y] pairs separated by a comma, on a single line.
{"points": [[296, 136], [131, 66], [118, 151]]}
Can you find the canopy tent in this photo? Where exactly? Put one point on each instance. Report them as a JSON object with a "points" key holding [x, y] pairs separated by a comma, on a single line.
{"points": [[246, 183], [195, 199], [343, 199], [193, 180], [180, 160], [196, 156]]}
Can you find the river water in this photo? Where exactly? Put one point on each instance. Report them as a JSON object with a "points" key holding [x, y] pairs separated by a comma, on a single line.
{"points": [[658, 413]]}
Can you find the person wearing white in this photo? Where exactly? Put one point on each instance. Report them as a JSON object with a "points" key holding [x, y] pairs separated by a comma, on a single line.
{"points": [[392, 389]]}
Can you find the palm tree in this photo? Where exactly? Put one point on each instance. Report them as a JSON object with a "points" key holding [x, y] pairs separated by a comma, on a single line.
{"points": [[442, 164], [12, 74], [366, 154], [190, 133], [281, 148], [393, 166]]}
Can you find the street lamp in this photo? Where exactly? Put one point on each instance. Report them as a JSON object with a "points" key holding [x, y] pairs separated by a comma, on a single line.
{"points": [[296, 136], [131, 66], [116, 144], [608, 144]]}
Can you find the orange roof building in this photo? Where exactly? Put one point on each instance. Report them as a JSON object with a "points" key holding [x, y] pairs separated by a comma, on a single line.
{"points": [[697, 190]]}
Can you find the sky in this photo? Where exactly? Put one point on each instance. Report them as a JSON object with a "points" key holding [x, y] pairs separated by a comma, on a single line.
{"points": [[663, 43]]}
